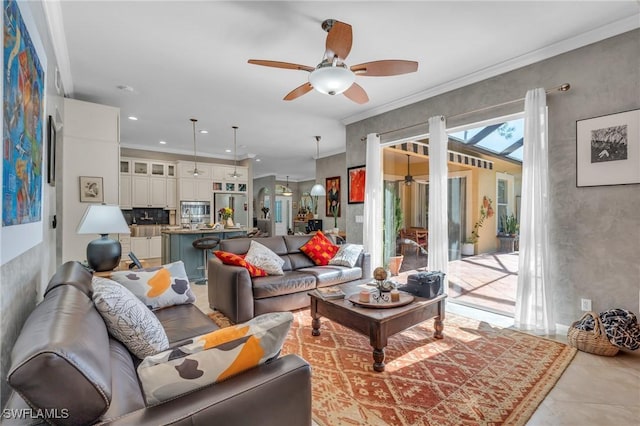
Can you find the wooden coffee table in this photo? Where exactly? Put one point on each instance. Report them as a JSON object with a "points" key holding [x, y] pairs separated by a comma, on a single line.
{"points": [[378, 324]]}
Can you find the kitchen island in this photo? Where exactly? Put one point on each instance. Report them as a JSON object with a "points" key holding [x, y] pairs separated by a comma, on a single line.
{"points": [[177, 245]]}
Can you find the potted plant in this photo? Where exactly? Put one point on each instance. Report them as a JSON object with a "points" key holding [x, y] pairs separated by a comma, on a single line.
{"points": [[510, 225], [486, 210]]}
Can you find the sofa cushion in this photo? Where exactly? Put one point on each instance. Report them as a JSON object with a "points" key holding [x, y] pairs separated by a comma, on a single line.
{"points": [[300, 260], [333, 274], [263, 257], [184, 322], [158, 286], [347, 255], [213, 357], [128, 319], [290, 282], [319, 249], [127, 394], [62, 330], [238, 260]]}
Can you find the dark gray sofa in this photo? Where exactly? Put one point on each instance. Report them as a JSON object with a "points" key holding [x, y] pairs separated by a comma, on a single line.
{"points": [[65, 364], [238, 296]]}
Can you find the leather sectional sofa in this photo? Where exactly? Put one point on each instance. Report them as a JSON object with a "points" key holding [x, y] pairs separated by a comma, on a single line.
{"points": [[65, 364], [238, 296]]}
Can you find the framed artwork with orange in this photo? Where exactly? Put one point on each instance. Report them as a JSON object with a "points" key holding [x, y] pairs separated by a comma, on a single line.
{"points": [[355, 187]]}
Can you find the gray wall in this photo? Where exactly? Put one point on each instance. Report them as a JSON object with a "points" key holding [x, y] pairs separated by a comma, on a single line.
{"points": [[328, 167], [595, 232], [23, 279]]}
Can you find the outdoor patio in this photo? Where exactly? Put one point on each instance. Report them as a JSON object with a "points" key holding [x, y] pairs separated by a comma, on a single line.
{"points": [[487, 281]]}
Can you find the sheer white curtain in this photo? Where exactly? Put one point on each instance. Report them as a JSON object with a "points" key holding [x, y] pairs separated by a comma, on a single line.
{"points": [[438, 259], [373, 199], [534, 299]]}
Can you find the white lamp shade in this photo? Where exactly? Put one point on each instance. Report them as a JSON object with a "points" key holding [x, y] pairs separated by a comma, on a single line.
{"points": [[318, 190], [332, 80], [103, 219]]}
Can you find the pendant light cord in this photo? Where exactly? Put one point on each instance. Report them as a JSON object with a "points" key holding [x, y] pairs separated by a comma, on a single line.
{"points": [[235, 157], [195, 159]]}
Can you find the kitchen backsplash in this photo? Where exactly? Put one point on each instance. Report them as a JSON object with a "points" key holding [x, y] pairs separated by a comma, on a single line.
{"points": [[146, 216]]}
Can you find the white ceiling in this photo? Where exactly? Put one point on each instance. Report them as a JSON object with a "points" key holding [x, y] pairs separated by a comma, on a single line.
{"points": [[189, 59]]}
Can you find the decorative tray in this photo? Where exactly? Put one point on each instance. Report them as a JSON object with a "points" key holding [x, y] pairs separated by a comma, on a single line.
{"points": [[405, 299]]}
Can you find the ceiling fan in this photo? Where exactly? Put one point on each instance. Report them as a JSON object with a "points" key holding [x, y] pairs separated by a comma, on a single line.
{"points": [[409, 179], [332, 76]]}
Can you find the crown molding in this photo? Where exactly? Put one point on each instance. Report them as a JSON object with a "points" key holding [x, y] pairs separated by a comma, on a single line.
{"points": [[53, 15], [606, 31]]}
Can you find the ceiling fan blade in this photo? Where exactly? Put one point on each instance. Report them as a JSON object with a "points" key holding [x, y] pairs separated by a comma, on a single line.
{"points": [[298, 91], [339, 40], [276, 64], [357, 94], [385, 68]]}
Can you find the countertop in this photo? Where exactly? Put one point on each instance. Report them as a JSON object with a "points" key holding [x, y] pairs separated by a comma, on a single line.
{"points": [[202, 231]]}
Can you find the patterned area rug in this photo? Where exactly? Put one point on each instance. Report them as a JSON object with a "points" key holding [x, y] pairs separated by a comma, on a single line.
{"points": [[478, 374]]}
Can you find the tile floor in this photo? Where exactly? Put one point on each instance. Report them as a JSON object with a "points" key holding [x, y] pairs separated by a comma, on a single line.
{"points": [[593, 391]]}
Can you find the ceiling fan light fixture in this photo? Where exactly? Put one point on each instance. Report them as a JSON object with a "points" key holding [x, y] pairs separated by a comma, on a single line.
{"points": [[331, 79]]}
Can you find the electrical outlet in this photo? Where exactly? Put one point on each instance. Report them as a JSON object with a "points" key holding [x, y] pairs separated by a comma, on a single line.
{"points": [[585, 304]]}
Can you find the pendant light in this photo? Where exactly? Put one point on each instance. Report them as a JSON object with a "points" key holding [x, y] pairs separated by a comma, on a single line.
{"points": [[318, 190], [196, 172], [287, 192], [235, 173]]}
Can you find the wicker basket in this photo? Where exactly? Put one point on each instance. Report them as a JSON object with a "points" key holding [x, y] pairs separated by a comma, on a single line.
{"points": [[594, 341]]}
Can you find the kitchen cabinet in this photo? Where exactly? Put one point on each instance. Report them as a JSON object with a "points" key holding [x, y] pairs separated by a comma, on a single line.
{"points": [[149, 191], [125, 192], [146, 247], [172, 193], [194, 189]]}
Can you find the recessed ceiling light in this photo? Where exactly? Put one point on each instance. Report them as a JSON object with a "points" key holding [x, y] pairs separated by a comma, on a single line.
{"points": [[163, 142], [132, 118], [204, 132], [124, 88], [227, 150], [258, 160]]}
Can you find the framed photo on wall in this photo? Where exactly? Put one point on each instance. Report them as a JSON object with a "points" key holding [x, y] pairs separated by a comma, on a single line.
{"points": [[91, 190], [333, 196], [355, 188], [608, 149]]}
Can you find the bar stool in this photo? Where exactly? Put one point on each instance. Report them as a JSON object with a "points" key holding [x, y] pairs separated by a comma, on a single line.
{"points": [[205, 244]]}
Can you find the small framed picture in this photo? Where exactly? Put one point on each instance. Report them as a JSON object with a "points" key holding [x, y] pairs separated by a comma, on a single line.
{"points": [[355, 188], [91, 190], [608, 149]]}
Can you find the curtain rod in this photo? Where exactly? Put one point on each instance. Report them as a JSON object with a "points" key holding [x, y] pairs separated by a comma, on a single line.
{"points": [[562, 88]]}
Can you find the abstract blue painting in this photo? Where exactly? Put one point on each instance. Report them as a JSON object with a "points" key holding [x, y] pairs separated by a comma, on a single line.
{"points": [[23, 100]]}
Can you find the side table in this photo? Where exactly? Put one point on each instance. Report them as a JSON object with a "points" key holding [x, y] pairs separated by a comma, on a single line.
{"points": [[124, 266]]}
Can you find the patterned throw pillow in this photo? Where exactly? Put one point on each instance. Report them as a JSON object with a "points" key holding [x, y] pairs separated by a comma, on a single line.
{"points": [[127, 319], [158, 286], [262, 257], [213, 357], [347, 255], [237, 260], [319, 249]]}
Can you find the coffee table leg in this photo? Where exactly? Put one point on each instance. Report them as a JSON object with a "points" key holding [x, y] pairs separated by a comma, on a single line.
{"points": [[439, 327], [315, 323], [378, 358]]}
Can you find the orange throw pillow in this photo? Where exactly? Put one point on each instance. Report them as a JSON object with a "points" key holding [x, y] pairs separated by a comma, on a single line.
{"points": [[237, 260], [320, 249]]}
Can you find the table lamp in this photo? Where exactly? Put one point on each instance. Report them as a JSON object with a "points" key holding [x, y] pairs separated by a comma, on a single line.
{"points": [[103, 254]]}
